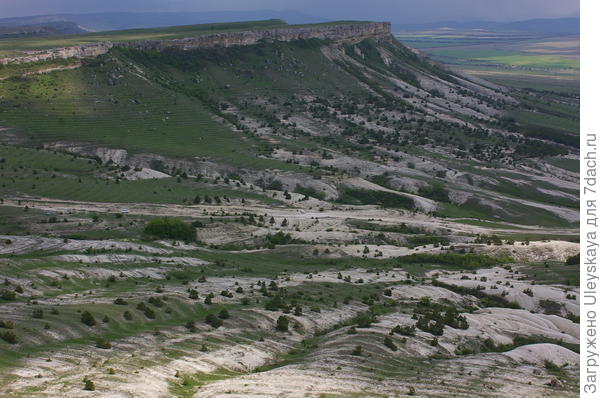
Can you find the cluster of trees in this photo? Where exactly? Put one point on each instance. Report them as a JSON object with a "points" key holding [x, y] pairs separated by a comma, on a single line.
{"points": [[432, 317], [170, 228]]}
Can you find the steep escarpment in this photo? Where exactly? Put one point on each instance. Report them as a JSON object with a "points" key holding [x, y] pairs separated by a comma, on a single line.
{"points": [[340, 111], [340, 32]]}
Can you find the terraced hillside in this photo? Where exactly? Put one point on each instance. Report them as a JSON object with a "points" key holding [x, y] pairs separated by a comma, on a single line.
{"points": [[323, 216]]}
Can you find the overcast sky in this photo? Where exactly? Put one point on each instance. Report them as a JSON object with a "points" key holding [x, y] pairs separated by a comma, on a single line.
{"points": [[399, 11]]}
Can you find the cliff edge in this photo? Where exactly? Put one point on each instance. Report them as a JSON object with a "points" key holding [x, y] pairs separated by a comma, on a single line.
{"points": [[339, 32]]}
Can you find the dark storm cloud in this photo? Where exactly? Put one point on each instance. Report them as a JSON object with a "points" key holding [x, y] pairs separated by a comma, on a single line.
{"points": [[401, 11]]}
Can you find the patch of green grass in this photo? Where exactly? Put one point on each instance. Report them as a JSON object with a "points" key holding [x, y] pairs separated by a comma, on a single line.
{"points": [[560, 82], [567, 164], [56, 175], [532, 236], [367, 197], [100, 105], [488, 224], [468, 53], [525, 191], [533, 61], [187, 385], [512, 212], [454, 260], [552, 273], [67, 323], [546, 120]]}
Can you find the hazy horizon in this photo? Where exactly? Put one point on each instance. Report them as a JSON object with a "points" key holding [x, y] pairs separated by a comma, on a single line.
{"points": [[407, 11]]}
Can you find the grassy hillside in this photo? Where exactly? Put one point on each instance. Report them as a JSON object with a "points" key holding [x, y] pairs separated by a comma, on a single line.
{"points": [[104, 104], [41, 173], [318, 110]]}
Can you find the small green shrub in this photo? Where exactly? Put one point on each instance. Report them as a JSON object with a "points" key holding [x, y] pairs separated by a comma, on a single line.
{"points": [[213, 321], [9, 336], [282, 323], [389, 343], [103, 343], [87, 318], [89, 385]]}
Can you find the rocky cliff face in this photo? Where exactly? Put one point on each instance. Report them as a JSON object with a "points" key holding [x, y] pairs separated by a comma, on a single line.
{"points": [[341, 32], [83, 51]]}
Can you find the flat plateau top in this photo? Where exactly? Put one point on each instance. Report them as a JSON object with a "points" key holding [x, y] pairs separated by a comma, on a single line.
{"points": [[10, 47]]}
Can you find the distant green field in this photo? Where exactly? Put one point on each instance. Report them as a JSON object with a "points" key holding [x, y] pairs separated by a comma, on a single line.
{"points": [[468, 53], [533, 61], [495, 56], [558, 81], [516, 59]]}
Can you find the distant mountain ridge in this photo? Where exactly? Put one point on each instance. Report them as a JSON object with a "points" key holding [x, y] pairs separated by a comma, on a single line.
{"points": [[558, 25], [78, 23], [46, 29]]}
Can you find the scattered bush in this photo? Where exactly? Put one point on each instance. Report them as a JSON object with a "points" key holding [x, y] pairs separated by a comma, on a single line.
{"points": [[365, 319], [9, 336], [103, 343], [6, 294], [87, 318], [213, 321], [357, 351], [282, 323], [224, 314], [191, 326], [389, 343], [404, 330], [573, 260], [7, 324], [89, 385], [148, 312], [549, 365]]}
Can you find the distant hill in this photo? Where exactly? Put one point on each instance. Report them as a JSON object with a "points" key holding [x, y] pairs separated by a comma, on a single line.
{"points": [[131, 20], [558, 26], [48, 28]]}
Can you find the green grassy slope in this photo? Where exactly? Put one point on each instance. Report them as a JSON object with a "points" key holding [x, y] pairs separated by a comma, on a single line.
{"points": [[56, 175], [104, 104]]}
